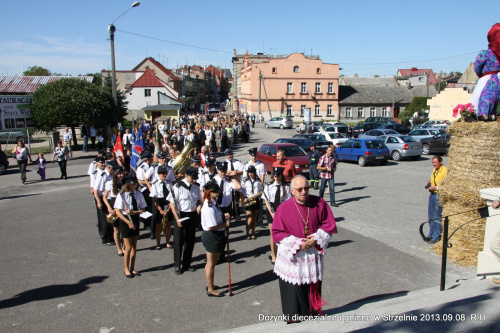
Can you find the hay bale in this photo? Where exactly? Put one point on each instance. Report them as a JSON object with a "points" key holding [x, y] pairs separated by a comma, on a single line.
{"points": [[474, 164]]}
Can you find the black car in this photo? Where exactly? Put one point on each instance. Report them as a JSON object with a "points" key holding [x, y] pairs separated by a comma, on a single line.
{"points": [[364, 127], [321, 142], [401, 129], [4, 163], [381, 120], [439, 143], [303, 143]]}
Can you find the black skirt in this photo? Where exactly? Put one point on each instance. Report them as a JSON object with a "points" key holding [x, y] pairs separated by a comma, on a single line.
{"points": [[117, 221], [213, 241], [125, 230], [254, 207]]}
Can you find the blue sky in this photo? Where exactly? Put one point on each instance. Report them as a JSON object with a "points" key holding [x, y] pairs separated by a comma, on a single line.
{"points": [[363, 37]]}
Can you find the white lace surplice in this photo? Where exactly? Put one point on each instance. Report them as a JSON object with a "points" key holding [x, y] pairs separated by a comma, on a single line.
{"points": [[297, 266]]}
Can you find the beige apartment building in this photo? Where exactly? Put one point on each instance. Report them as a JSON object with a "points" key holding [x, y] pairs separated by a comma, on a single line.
{"points": [[292, 84]]}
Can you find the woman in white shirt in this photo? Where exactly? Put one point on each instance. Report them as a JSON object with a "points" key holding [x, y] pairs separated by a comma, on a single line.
{"points": [[213, 237], [62, 158], [22, 156], [113, 187]]}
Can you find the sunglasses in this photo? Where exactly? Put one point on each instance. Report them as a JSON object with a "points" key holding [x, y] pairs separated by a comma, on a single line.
{"points": [[300, 189]]}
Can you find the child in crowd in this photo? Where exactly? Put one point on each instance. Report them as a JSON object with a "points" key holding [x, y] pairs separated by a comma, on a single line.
{"points": [[41, 161]]}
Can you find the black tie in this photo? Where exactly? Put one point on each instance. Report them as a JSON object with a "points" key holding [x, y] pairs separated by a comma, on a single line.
{"points": [[219, 200], [252, 182], [165, 191], [231, 165], [134, 202], [211, 175], [276, 202]]}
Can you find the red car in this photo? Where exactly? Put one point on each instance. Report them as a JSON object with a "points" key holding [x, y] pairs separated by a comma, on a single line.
{"points": [[267, 155]]}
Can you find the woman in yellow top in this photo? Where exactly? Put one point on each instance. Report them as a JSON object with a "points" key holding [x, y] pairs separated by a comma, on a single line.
{"points": [[435, 210]]}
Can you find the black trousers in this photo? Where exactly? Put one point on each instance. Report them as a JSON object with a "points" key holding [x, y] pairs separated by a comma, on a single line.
{"points": [[62, 166], [105, 228], [92, 138], [184, 239], [22, 168], [295, 299]]}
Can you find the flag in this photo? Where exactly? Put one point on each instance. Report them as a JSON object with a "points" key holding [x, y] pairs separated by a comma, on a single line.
{"points": [[119, 147], [157, 143], [135, 160]]}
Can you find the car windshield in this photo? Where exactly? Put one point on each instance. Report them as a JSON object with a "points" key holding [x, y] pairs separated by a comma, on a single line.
{"points": [[293, 151], [375, 144], [317, 137], [288, 119], [408, 138]]}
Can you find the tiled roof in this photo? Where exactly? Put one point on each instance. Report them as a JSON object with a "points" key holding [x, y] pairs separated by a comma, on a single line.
{"points": [[415, 71], [148, 79], [349, 95], [28, 84], [162, 68], [366, 81]]}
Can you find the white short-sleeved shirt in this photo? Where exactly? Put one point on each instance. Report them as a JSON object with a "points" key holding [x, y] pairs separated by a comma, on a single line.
{"points": [[260, 169], [157, 189], [226, 190], [211, 215], [247, 187], [186, 199], [100, 181], [204, 176], [67, 136], [124, 201], [92, 168], [142, 170], [234, 164], [270, 191]]}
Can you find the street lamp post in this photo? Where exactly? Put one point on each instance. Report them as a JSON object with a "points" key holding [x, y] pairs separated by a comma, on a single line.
{"points": [[111, 29]]}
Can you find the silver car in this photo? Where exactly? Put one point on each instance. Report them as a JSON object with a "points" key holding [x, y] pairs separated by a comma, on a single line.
{"points": [[279, 122], [12, 136], [401, 146], [425, 133], [374, 133]]}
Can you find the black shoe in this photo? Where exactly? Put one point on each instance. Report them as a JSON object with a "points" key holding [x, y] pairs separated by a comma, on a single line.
{"points": [[262, 225], [131, 276], [209, 294], [178, 271], [334, 204], [192, 269], [136, 274]]}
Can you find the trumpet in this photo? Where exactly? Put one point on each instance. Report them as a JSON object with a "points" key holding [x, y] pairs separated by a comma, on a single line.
{"points": [[251, 200], [111, 218]]}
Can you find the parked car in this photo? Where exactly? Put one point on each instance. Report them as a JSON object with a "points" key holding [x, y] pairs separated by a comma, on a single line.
{"points": [[401, 129], [316, 124], [267, 155], [279, 122], [321, 142], [439, 143], [301, 142], [437, 123], [336, 129], [334, 123], [364, 151], [12, 136], [381, 120], [425, 133], [364, 127], [336, 138], [402, 146], [372, 134], [4, 162]]}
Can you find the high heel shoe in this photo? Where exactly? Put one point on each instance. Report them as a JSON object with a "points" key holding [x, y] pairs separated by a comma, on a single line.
{"points": [[129, 276]]}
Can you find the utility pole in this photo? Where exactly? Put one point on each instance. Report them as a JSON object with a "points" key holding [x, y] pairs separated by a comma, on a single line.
{"points": [[393, 93], [260, 86]]}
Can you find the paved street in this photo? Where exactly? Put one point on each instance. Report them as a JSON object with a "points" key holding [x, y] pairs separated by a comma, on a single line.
{"points": [[55, 276]]}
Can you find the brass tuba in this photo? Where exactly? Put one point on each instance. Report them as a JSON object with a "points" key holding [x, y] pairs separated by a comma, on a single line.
{"points": [[182, 162], [251, 200], [111, 218]]}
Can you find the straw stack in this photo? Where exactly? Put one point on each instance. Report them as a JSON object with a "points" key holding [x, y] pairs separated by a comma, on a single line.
{"points": [[474, 164]]}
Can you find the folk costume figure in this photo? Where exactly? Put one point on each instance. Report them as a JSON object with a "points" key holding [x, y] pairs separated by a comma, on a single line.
{"points": [[302, 237], [487, 66]]}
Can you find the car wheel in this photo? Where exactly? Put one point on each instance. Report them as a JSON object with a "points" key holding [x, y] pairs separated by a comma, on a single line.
{"points": [[396, 155], [426, 149], [415, 158], [384, 162], [281, 126], [362, 161], [3, 169], [266, 125]]}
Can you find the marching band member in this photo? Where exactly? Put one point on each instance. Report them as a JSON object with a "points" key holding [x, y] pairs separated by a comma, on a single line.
{"points": [[259, 166], [160, 188], [186, 196], [129, 205], [214, 235], [252, 186], [227, 187], [234, 166], [274, 194], [104, 174], [208, 174], [113, 187], [144, 178], [162, 160]]}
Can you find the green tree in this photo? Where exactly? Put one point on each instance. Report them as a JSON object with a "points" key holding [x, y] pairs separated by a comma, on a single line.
{"points": [[440, 86], [417, 104], [122, 103], [37, 71], [72, 102]]}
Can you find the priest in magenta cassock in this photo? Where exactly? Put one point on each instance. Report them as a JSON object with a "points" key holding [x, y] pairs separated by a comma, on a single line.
{"points": [[302, 228]]}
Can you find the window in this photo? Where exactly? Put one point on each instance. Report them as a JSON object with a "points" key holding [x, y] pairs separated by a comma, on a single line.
{"points": [[420, 79], [303, 88], [361, 112], [288, 110], [289, 89], [274, 70], [302, 107], [272, 151], [385, 113], [356, 145], [318, 70], [329, 110], [373, 112], [263, 150], [296, 69], [147, 92], [330, 87], [348, 112], [318, 88], [316, 110]]}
